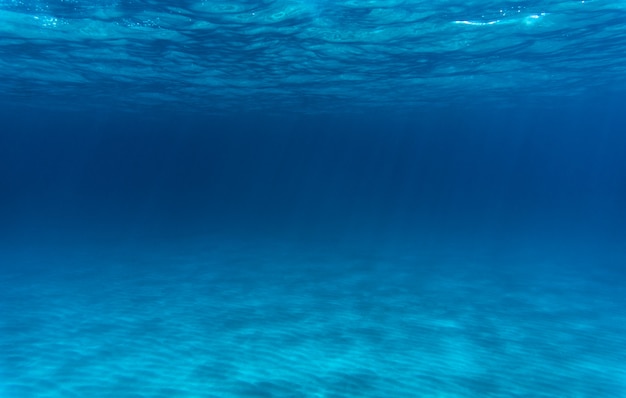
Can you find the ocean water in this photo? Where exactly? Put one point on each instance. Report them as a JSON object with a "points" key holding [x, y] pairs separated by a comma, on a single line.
{"points": [[312, 199]]}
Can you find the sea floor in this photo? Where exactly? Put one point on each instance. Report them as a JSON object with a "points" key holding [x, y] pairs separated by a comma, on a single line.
{"points": [[243, 320]]}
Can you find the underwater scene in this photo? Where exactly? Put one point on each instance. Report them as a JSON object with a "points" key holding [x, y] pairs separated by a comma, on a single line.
{"points": [[305, 198]]}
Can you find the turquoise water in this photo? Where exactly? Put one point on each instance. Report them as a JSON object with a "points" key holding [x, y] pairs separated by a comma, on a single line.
{"points": [[228, 319], [312, 199], [313, 56]]}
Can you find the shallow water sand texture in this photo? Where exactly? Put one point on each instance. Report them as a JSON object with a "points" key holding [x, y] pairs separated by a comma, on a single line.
{"points": [[248, 324]]}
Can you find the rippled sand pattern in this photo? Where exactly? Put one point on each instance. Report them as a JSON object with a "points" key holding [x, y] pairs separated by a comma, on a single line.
{"points": [[242, 324]]}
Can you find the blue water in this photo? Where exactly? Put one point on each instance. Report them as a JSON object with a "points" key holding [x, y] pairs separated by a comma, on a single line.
{"points": [[312, 199]]}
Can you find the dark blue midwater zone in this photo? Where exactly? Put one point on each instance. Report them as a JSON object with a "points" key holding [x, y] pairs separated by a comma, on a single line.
{"points": [[522, 173]]}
